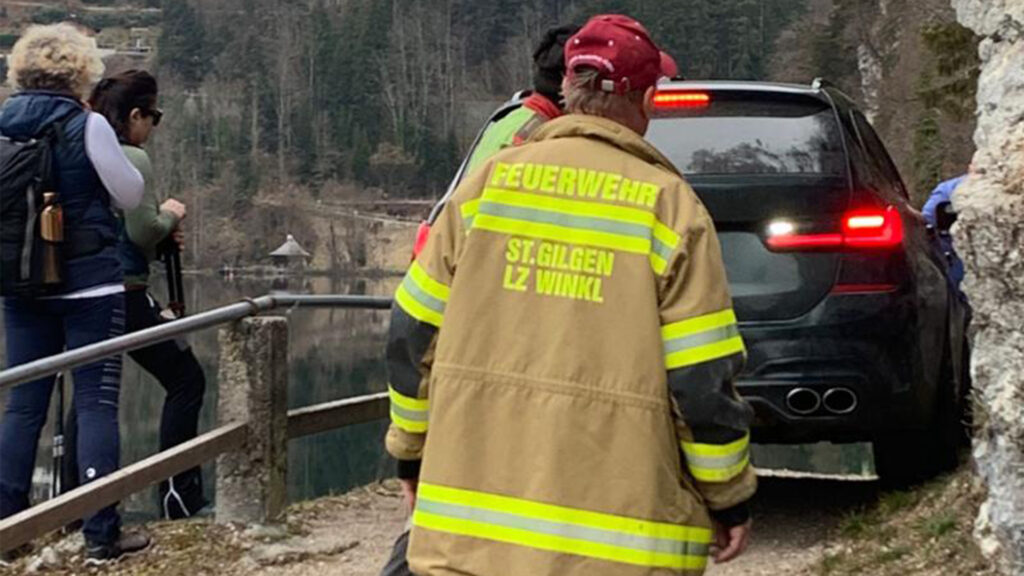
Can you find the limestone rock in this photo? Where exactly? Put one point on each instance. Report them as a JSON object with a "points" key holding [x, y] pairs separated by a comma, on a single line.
{"points": [[990, 237]]}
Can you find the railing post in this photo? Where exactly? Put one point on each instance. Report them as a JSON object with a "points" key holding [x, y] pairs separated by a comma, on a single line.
{"points": [[253, 388]]}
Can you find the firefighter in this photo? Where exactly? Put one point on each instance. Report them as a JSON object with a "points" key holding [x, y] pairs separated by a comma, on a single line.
{"points": [[543, 104], [561, 354]]}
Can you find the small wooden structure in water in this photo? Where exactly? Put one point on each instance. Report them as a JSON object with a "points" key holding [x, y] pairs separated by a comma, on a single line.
{"points": [[290, 256]]}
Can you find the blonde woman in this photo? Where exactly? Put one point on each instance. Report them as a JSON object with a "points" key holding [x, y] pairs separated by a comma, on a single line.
{"points": [[53, 68]]}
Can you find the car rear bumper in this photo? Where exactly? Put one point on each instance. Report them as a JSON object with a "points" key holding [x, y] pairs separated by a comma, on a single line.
{"points": [[860, 344]]}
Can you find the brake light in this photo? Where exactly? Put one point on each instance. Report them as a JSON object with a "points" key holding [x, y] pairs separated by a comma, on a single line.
{"points": [[872, 228], [805, 241], [682, 99], [421, 238]]}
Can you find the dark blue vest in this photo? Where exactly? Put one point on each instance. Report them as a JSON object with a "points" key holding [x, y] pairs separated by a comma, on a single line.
{"points": [[88, 218]]}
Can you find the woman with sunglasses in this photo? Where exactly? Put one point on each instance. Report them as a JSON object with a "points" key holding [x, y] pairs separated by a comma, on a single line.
{"points": [[129, 102]]}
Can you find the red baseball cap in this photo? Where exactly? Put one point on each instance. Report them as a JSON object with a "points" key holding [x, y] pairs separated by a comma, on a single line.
{"points": [[622, 51], [669, 69]]}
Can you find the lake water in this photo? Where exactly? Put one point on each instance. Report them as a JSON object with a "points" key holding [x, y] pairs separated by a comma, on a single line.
{"points": [[332, 354]]}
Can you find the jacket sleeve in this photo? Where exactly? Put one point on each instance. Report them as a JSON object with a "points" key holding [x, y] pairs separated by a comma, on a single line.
{"points": [[417, 317], [704, 352], [147, 225]]}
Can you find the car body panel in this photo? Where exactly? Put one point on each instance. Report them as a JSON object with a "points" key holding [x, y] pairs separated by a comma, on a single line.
{"points": [[887, 325]]}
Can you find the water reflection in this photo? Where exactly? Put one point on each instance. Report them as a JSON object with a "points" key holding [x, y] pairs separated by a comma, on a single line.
{"points": [[333, 354]]}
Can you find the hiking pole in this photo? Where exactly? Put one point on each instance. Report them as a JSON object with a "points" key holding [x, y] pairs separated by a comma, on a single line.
{"points": [[170, 253], [58, 440]]}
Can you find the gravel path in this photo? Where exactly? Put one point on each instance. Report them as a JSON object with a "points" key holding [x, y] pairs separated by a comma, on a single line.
{"points": [[352, 534], [794, 518]]}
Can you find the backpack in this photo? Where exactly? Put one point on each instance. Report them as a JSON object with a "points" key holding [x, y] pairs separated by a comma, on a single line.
{"points": [[26, 171]]}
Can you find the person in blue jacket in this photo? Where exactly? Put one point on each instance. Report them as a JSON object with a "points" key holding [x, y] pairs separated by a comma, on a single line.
{"points": [[53, 67], [943, 193]]}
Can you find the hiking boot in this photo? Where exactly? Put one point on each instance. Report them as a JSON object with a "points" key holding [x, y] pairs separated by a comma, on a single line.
{"points": [[11, 556], [127, 544]]}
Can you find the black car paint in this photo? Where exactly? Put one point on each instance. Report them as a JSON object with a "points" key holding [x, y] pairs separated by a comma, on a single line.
{"points": [[897, 350]]}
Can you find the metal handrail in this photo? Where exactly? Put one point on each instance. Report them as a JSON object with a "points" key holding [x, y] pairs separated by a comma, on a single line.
{"points": [[135, 340]]}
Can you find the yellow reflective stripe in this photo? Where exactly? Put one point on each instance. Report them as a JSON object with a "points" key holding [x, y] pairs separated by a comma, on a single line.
{"points": [[706, 353], [664, 243], [529, 508], [469, 211], [557, 544], [411, 426], [558, 233], [718, 475], [408, 402], [421, 296], [666, 235], [658, 263], [717, 462], [698, 324], [576, 221], [428, 284], [417, 310], [572, 207], [579, 222], [718, 450], [560, 529], [409, 414], [701, 339]]}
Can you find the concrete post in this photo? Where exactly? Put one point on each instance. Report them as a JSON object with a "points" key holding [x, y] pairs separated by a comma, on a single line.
{"points": [[253, 387]]}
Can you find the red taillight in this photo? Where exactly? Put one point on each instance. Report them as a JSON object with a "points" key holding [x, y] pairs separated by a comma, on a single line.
{"points": [[873, 228], [421, 239], [805, 241], [682, 99]]}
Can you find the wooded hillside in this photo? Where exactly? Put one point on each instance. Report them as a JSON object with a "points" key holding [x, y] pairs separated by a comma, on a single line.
{"points": [[331, 100]]}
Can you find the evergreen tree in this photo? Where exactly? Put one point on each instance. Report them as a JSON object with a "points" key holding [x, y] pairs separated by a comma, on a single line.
{"points": [[928, 151], [181, 48], [955, 52]]}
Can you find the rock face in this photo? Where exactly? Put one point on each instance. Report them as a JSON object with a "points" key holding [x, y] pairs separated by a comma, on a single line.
{"points": [[990, 236]]}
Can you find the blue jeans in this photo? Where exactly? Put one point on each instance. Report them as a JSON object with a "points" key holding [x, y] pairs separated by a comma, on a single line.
{"points": [[40, 328]]}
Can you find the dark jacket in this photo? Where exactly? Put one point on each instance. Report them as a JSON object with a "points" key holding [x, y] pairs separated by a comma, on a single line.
{"points": [[90, 228]]}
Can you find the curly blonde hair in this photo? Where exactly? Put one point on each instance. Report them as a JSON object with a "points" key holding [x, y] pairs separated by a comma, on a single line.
{"points": [[57, 57]]}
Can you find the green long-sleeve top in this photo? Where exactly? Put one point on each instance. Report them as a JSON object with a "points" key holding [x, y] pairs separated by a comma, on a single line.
{"points": [[146, 225]]}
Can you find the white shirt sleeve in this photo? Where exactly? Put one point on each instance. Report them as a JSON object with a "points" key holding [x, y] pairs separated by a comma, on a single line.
{"points": [[123, 182]]}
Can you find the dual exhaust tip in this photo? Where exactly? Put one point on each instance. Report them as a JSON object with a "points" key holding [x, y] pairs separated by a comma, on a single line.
{"points": [[806, 401]]}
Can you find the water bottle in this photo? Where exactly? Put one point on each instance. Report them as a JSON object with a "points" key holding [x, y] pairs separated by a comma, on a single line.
{"points": [[51, 229]]}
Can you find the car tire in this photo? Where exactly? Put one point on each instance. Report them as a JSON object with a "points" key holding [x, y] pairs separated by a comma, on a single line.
{"points": [[908, 457], [903, 458]]}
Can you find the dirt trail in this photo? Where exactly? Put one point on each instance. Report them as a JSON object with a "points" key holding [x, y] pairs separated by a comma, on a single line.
{"points": [[351, 535], [794, 518], [793, 521]]}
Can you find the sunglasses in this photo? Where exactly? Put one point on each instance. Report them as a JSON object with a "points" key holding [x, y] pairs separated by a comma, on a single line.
{"points": [[156, 114]]}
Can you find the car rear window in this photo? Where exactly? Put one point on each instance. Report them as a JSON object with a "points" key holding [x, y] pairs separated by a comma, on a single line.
{"points": [[751, 133]]}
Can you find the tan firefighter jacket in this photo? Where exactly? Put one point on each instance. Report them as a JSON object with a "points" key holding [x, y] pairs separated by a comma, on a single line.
{"points": [[561, 359]]}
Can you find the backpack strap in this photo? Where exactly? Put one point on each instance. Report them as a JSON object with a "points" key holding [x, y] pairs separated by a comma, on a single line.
{"points": [[56, 132], [56, 136]]}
